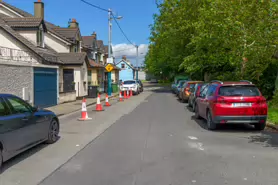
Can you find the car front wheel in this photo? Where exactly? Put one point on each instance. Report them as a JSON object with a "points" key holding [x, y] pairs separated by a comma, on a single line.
{"points": [[53, 132]]}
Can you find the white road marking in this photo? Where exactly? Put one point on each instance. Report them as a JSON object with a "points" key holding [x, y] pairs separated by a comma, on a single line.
{"points": [[192, 137], [198, 146], [193, 181], [77, 145], [245, 179]]}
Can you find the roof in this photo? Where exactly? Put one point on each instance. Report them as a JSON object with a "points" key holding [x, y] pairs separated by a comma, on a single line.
{"points": [[51, 28], [100, 45], [88, 40], [45, 53], [127, 64], [93, 63], [23, 22], [72, 58], [19, 11], [106, 49], [69, 33]]}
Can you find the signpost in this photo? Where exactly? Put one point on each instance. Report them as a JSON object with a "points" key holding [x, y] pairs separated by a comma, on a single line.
{"points": [[109, 68]]}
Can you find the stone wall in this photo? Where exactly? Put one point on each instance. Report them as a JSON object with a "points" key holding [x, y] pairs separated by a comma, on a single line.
{"points": [[13, 79], [67, 97]]}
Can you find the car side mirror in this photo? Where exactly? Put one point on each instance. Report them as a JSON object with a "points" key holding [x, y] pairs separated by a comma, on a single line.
{"points": [[35, 108]]}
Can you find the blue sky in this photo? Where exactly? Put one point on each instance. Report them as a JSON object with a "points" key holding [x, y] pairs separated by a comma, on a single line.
{"points": [[137, 16]]}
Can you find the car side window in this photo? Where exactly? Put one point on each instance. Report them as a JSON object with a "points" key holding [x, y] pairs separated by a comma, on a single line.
{"points": [[18, 105], [211, 90], [204, 92], [4, 110]]}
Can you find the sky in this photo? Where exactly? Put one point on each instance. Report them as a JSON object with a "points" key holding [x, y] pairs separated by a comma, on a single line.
{"points": [[137, 16]]}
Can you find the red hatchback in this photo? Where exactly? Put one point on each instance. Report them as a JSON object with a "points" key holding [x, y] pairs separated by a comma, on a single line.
{"points": [[232, 102]]}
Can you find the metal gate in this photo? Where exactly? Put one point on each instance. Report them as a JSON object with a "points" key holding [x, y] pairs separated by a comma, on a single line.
{"points": [[45, 87]]}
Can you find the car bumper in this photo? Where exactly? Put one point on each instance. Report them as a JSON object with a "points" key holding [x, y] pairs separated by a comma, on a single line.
{"points": [[240, 119]]}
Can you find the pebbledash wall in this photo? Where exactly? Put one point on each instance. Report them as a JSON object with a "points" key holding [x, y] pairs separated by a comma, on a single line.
{"points": [[17, 80]]}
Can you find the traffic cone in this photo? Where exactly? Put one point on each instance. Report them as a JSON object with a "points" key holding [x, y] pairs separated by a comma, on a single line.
{"points": [[131, 93], [107, 104], [127, 94], [99, 106], [84, 114], [120, 96], [125, 97]]}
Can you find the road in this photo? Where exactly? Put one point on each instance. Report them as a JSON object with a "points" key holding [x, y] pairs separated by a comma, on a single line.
{"points": [[161, 143]]}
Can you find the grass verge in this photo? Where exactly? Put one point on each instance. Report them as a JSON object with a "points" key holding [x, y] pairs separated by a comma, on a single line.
{"points": [[273, 115]]}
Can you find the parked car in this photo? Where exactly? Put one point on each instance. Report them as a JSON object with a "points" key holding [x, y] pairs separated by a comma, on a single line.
{"points": [[23, 126], [154, 80], [130, 85], [185, 92], [195, 92], [232, 102], [141, 85], [177, 79], [179, 86]]}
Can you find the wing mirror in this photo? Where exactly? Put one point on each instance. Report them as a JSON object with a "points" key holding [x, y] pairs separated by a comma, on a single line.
{"points": [[35, 108]]}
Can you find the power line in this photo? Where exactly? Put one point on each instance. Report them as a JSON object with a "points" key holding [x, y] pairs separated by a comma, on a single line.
{"points": [[122, 30], [98, 7]]}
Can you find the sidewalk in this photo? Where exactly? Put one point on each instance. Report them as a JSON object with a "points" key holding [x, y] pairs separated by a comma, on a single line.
{"points": [[67, 108]]}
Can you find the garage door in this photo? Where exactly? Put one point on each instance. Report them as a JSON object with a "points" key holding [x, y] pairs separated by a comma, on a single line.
{"points": [[45, 87]]}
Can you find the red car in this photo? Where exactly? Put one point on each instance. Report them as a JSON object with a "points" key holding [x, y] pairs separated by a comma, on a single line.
{"points": [[232, 102]]}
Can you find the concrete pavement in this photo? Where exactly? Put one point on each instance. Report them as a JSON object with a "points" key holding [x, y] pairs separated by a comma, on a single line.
{"points": [[161, 143]]}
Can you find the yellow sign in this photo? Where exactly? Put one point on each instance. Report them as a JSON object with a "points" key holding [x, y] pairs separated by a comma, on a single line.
{"points": [[109, 68]]}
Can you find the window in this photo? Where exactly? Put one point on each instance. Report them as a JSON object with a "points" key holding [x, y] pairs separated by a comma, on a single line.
{"points": [[18, 105], [204, 92], [239, 91], [40, 37], [211, 90], [129, 82], [4, 111], [123, 66]]}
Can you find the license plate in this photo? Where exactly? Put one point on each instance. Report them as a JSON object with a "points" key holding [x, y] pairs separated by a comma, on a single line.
{"points": [[242, 104]]}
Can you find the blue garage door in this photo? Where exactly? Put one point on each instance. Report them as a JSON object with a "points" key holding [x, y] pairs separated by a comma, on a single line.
{"points": [[45, 87]]}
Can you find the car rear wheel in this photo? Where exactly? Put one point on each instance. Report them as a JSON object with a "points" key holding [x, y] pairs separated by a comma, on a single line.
{"points": [[197, 112], [53, 132], [193, 107], [260, 126], [211, 125]]}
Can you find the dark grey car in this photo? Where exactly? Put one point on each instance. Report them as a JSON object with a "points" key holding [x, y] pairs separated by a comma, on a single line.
{"points": [[23, 126]]}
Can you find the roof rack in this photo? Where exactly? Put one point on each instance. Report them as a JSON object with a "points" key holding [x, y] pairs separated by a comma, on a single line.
{"points": [[213, 81], [246, 81]]}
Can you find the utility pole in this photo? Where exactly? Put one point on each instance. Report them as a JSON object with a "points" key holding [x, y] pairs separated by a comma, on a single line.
{"points": [[109, 91], [137, 61]]}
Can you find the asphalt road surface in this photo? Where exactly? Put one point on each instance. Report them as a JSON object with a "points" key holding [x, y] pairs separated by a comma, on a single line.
{"points": [[160, 143]]}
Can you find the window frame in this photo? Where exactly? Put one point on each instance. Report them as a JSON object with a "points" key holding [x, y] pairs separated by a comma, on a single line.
{"points": [[203, 93], [122, 66], [12, 109], [6, 107]]}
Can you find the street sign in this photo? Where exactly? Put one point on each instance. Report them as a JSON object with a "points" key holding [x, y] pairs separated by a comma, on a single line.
{"points": [[110, 60], [109, 67]]}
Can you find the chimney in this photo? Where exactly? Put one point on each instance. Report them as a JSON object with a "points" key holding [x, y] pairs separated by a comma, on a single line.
{"points": [[73, 23], [39, 9], [94, 34], [124, 57]]}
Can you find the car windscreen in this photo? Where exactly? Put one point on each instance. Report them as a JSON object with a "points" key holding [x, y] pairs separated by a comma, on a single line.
{"points": [[129, 82], [239, 90], [181, 83]]}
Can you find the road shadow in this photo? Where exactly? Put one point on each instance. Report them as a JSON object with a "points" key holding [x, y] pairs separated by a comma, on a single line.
{"points": [[162, 90], [20, 157], [229, 128]]}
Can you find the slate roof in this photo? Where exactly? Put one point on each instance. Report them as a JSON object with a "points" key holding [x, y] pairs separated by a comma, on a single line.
{"points": [[51, 28], [46, 54], [72, 58], [26, 22], [69, 33], [100, 45], [88, 40]]}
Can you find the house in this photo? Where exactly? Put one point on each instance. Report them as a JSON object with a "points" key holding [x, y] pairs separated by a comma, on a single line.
{"points": [[28, 66], [65, 44], [127, 70], [94, 51]]}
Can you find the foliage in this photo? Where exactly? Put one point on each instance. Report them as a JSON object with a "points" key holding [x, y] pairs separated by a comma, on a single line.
{"points": [[215, 39]]}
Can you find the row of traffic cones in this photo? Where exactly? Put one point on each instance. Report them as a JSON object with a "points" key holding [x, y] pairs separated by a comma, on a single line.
{"points": [[84, 113]]}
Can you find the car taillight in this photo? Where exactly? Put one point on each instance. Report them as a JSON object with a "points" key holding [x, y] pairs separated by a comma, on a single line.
{"points": [[262, 100]]}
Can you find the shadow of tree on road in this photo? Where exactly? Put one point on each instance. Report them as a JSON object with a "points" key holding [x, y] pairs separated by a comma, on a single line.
{"points": [[266, 139]]}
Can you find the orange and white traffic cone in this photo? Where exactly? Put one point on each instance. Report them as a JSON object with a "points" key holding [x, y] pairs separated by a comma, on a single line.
{"points": [[107, 104], [125, 97], [99, 106], [84, 114], [131, 93], [127, 94], [120, 97]]}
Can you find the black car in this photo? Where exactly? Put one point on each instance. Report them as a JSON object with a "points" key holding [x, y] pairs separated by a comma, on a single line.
{"points": [[141, 85], [195, 90], [23, 126]]}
